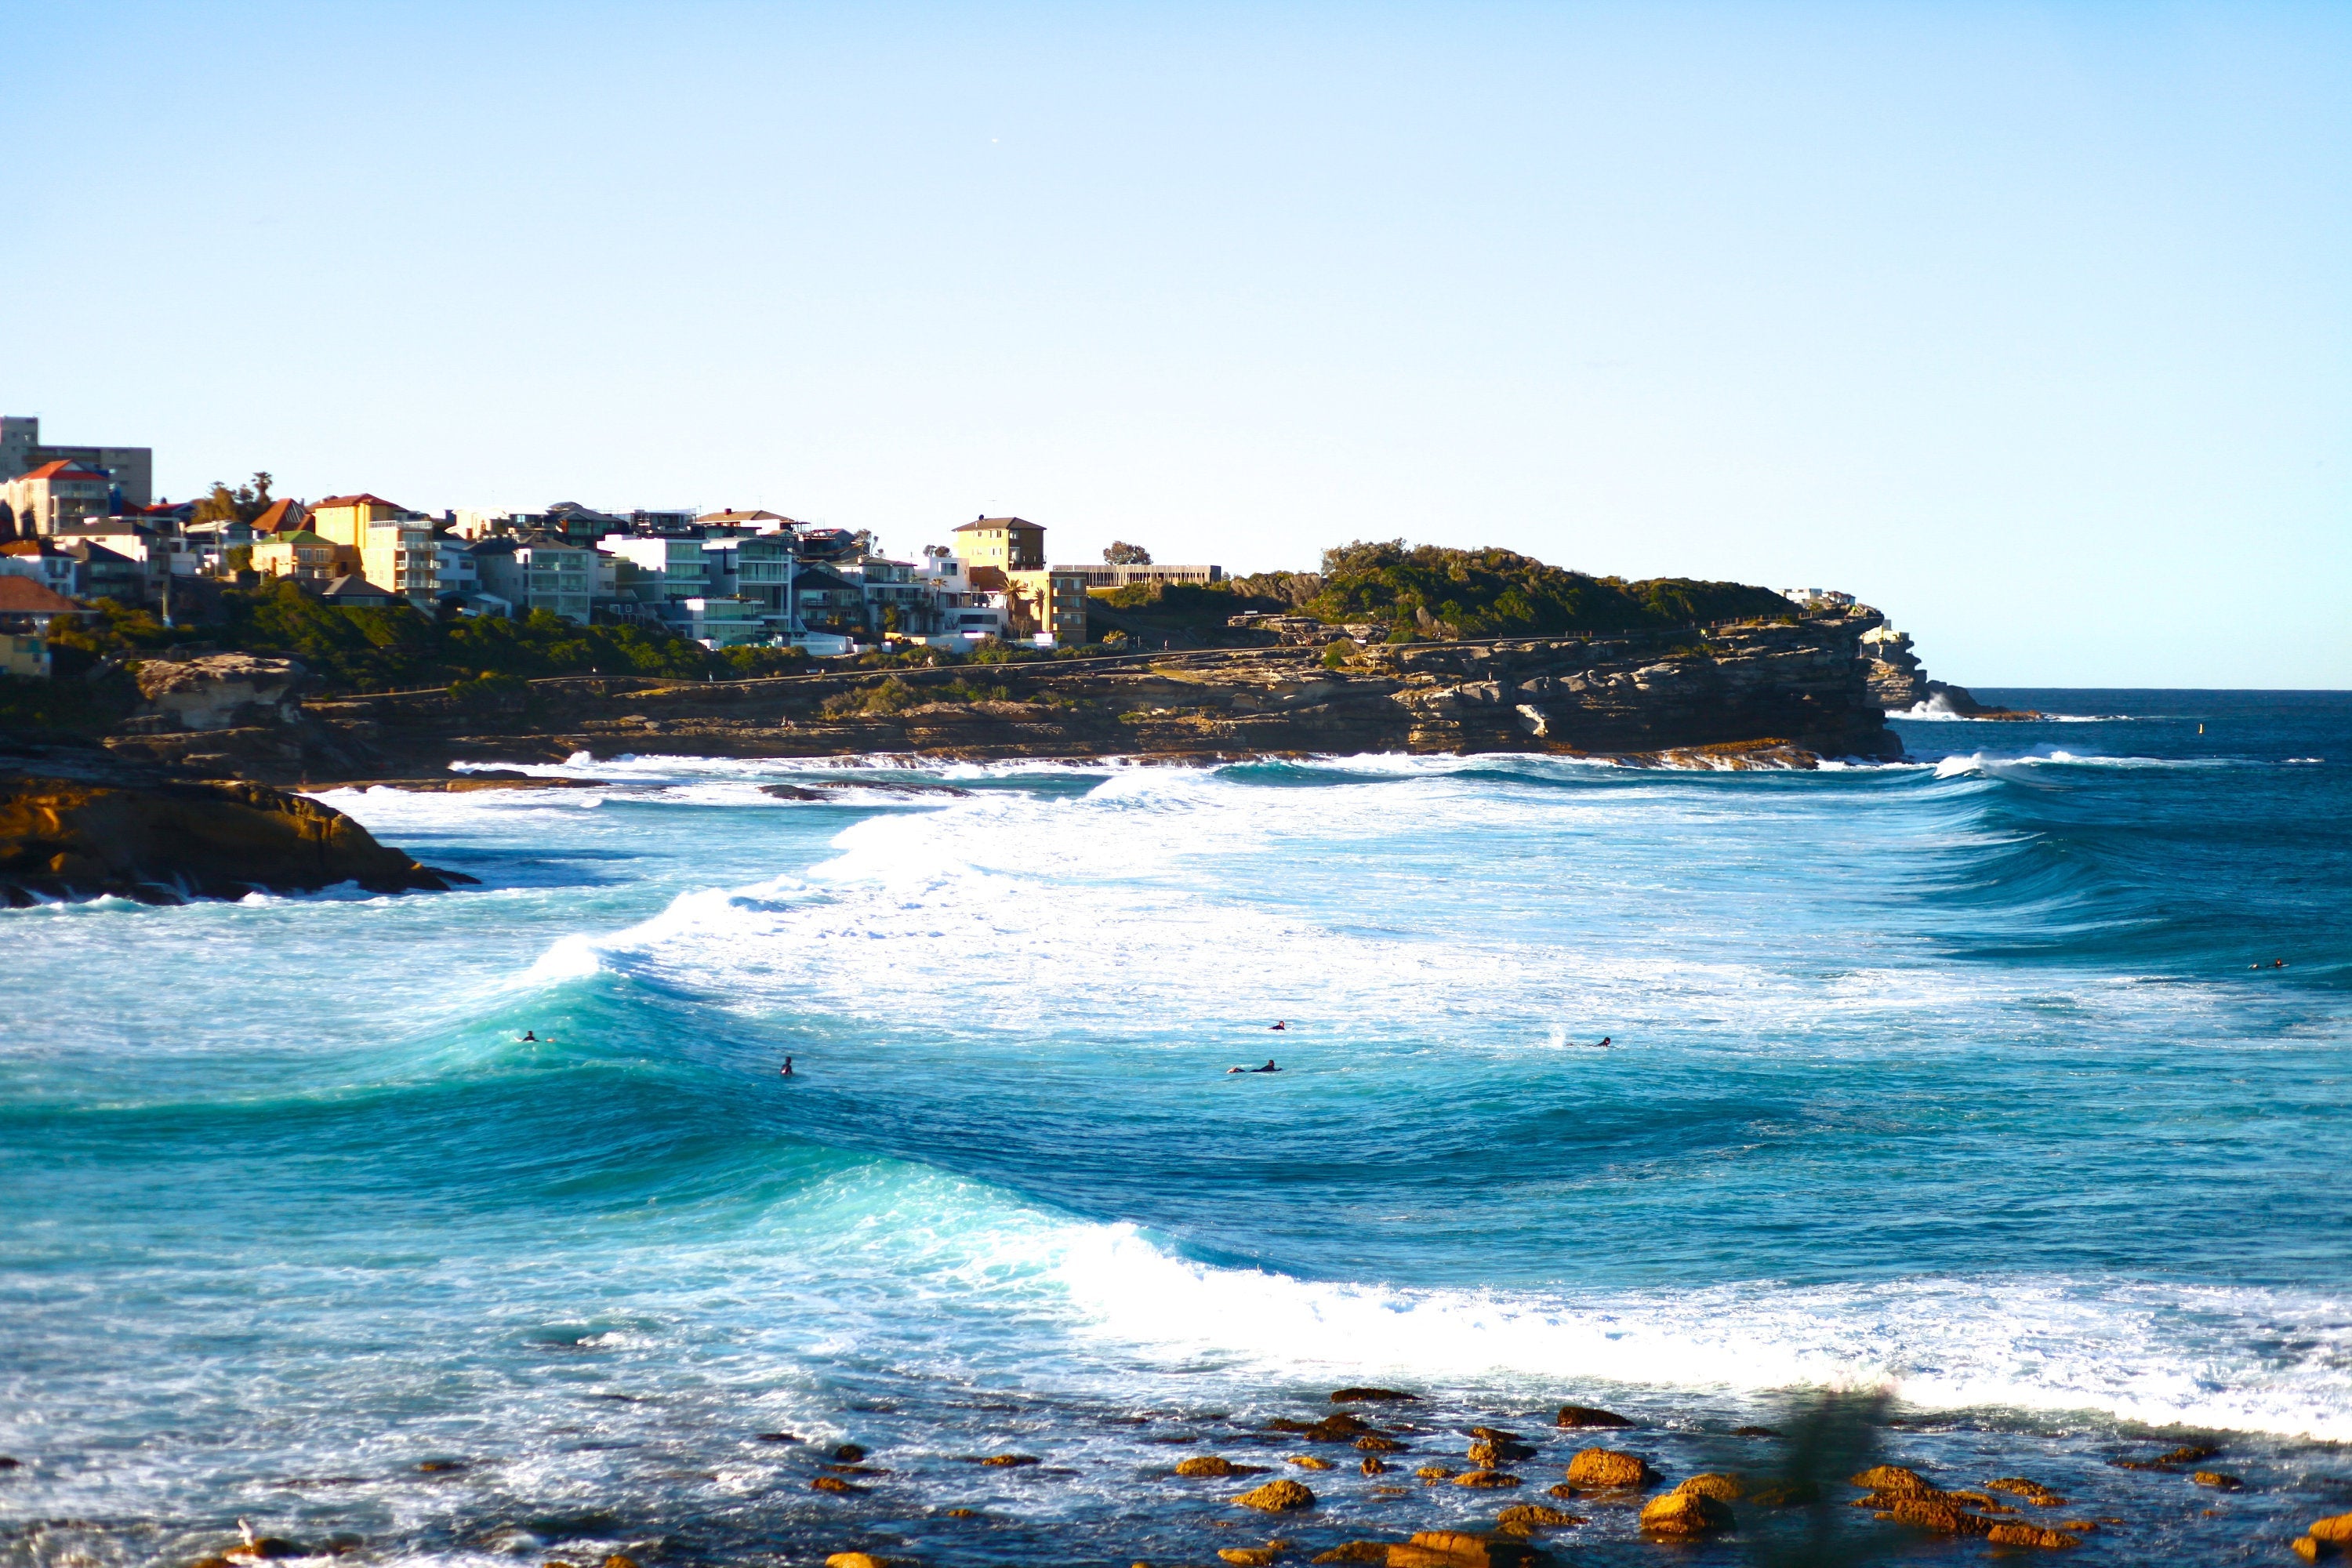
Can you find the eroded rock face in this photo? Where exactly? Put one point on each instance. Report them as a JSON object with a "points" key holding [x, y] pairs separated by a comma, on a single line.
{"points": [[223, 690], [161, 843], [1896, 680]]}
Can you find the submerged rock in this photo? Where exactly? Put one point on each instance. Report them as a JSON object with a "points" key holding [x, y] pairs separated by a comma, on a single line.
{"points": [[1010, 1462], [1309, 1462], [1487, 1479], [1892, 1478], [2218, 1480], [1373, 1396], [1586, 1415], [1373, 1443], [2029, 1535], [833, 1484], [2031, 1491]]}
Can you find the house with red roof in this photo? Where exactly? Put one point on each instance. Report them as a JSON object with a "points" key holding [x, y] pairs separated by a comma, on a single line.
{"points": [[61, 492]]}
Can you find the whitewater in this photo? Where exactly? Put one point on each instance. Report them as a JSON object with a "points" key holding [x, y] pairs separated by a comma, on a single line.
{"points": [[2006, 1081]]}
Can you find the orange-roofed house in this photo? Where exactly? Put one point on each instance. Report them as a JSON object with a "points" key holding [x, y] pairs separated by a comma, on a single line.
{"points": [[62, 491], [26, 609], [287, 516]]}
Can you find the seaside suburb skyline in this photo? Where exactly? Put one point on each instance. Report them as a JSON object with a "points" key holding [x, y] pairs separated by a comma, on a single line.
{"points": [[2028, 324]]}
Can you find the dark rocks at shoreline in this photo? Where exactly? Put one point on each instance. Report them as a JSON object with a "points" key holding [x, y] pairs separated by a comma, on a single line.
{"points": [[163, 841], [1373, 1396]]}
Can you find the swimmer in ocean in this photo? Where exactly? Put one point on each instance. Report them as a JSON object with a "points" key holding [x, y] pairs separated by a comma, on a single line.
{"points": [[786, 1071]]}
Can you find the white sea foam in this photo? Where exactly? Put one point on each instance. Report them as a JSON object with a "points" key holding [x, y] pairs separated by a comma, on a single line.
{"points": [[2157, 1354]]}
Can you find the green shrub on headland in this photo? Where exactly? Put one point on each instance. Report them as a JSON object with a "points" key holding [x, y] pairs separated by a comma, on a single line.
{"points": [[398, 647], [1433, 591]]}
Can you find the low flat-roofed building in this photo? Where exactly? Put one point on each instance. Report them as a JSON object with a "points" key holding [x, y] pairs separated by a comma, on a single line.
{"points": [[1102, 576]]}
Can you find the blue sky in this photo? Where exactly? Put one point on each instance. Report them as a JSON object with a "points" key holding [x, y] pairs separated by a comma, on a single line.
{"points": [[2030, 324]]}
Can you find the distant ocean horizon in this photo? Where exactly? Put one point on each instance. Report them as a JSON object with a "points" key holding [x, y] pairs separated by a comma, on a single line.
{"points": [[2009, 1079]]}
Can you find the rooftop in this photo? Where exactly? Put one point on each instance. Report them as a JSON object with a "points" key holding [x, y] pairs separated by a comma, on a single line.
{"points": [[63, 469], [23, 596], [995, 522]]}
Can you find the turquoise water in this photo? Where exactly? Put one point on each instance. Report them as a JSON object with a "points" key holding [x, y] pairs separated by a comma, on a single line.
{"points": [[1949, 1077]]}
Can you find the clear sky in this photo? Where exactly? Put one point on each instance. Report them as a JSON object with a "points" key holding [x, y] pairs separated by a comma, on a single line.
{"points": [[2030, 324]]}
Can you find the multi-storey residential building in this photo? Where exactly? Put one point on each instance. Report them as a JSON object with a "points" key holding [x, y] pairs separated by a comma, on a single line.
{"points": [[722, 621], [55, 494], [1103, 576], [404, 555], [345, 518], [1007, 543], [1047, 603], [557, 577], [682, 561], [129, 470]]}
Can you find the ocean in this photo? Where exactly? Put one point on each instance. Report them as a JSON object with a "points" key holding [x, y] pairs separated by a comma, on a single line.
{"points": [[2008, 1084]]}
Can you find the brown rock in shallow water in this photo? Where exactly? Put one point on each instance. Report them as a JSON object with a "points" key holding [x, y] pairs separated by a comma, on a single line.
{"points": [[1586, 1415], [1309, 1462], [1373, 1396], [849, 1453], [1373, 1466], [2029, 1535], [1605, 1469], [1355, 1551], [2218, 1481], [1685, 1513], [1435, 1472], [2307, 1548], [263, 1549], [1249, 1556], [1215, 1465], [853, 1560], [1490, 1452], [2034, 1492], [1277, 1496], [1536, 1513], [1373, 1443], [1785, 1494], [1460, 1549], [617, 1561], [1755, 1432], [1011, 1461], [1717, 1485], [833, 1484], [1892, 1478], [2335, 1530], [1487, 1479], [1942, 1517]]}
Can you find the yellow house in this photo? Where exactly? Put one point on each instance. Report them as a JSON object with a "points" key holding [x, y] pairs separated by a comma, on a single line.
{"points": [[345, 518], [305, 556], [1007, 543]]}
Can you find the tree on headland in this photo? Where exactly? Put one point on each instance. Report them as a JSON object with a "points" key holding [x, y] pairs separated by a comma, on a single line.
{"points": [[1122, 553], [242, 504]]}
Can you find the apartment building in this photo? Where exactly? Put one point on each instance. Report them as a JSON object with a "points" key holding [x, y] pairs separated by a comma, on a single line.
{"points": [[55, 494], [129, 470], [1007, 543]]}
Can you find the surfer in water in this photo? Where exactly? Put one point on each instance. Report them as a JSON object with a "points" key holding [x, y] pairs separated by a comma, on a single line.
{"points": [[1279, 1024], [530, 1036], [1604, 1045], [1268, 1067], [786, 1071]]}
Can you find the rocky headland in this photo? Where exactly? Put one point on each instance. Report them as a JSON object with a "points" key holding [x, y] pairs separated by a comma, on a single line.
{"points": [[1899, 684], [76, 822], [1764, 693]]}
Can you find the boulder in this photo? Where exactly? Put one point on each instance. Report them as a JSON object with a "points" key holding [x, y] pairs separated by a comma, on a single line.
{"points": [[1355, 1551], [1249, 1556], [1011, 1461], [1586, 1415], [2218, 1481], [853, 1560], [849, 1453], [1309, 1462], [833, 1484], [1755, 1431], [1435, 1472], [1461, 1549], [2307, 1548], [1373, 1466], [2029, 1535], [1717, 1485], [1487, 1479], [2335, 1530], [1373, 1443], [1537, 1514], [618, 1561], [69, 838], [1373, 1396], [1892, 1478], [1942, 1517], [1498, 1448], [1685, 1513], [1277, 1496], [1605, 1469], [1215, 1465]]}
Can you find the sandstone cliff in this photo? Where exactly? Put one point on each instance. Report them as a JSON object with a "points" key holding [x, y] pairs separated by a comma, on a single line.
{"points": [[1802, 688]]}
